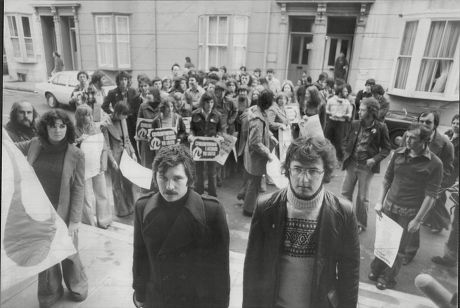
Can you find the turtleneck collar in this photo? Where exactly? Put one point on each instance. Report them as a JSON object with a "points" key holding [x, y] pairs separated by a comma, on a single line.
{"points": [[179, 202], [58, 147], [313, 202]]}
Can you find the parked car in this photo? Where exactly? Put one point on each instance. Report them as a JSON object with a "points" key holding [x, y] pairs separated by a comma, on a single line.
{"points": [[59, 87], [398, 121]]}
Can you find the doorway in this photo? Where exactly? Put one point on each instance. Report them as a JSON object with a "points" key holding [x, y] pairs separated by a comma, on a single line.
{"points": [[300, 45], [49, 42], [340, 33]]}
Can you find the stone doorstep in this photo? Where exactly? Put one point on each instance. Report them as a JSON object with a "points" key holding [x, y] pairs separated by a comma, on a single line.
{"points": [[107, 256]]}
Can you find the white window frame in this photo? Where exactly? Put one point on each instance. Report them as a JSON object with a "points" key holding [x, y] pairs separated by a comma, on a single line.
{"points": [[23, 57], [451, 89], [115, 40], [228, 42]]}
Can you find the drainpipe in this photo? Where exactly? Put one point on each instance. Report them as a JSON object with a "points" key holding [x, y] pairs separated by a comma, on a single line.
{"points": [[156, 35], [267, 33]]}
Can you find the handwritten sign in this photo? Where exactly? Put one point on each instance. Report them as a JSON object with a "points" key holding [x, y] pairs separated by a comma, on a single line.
{"points": [[226, 147], [387, 239], [161, 137], [292, 112], [187, 121], [205, 148], [142, 127]]}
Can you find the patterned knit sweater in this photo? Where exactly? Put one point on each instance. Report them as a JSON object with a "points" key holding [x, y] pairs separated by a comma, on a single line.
{"points": [[299, 250]]}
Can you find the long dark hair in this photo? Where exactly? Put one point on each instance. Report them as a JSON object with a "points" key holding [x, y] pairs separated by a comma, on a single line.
{"points": [[49, 119]]}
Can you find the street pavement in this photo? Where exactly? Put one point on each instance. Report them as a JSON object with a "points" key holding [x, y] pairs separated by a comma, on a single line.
{"points": [[108, 253]]}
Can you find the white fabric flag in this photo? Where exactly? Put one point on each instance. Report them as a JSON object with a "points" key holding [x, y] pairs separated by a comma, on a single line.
{"points": [[92, 147], [274, 173], [33, 235], [134, 172], [311, 127], [387, 239]]}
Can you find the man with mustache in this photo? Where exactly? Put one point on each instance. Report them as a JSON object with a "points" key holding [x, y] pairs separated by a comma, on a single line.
{"points": [[181, 240], [303, 248], [21, 126]]}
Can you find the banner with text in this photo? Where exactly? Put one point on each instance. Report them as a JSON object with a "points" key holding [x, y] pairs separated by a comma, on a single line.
{"points": [[226, 147], [161, 137], [205, 148], [142, 127]]}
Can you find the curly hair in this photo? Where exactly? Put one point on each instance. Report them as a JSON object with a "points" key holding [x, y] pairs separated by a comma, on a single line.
{"points": [[172, 156], [311, 149], [121, 75], [96, 77], [14, 113], [81, 112], [49, 119], [372, 106], [82, 73]]}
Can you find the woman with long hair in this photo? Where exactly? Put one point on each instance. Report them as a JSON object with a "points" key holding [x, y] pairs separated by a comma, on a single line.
{"points": [[115, 132], [60, 168], [288, 88], [168, 118], [95, 185], [314, 105], [96, 95]]}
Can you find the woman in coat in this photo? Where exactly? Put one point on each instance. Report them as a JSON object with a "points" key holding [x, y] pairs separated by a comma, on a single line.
{"points": [[60, 168], [116, 136], [95, 185], [168, 118]]}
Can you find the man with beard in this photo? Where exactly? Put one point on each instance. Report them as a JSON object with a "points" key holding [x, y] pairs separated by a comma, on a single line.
{"points": [[21, 126], [181, 240], [366, 145]]}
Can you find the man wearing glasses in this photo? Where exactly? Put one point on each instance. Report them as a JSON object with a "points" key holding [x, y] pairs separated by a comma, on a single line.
{"points": [[303, 248]]}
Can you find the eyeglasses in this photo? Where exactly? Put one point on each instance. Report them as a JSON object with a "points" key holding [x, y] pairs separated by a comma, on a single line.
{"points": [[296, 171]]}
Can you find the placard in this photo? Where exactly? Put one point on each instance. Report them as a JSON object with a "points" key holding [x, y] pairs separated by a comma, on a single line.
{"points": [[92, 148], [387, 239], [205, 148], [142, 127], [292, 112], [274, 173], [134, 172], [187, 121], [311, 127], [285, 139], [226, 147], [161, 137]]}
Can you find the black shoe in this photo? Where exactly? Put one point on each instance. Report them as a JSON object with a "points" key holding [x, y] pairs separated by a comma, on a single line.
{"points": [[406, 260], [443, 261], [373, 277], [382, 284], [247, 213]]}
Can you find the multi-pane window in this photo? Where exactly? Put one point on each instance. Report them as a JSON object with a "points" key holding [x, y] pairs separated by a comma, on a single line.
{"points": [[405, 54], [113, 41], [438, 56], [427, 64], [21, 36], [222, 40]]}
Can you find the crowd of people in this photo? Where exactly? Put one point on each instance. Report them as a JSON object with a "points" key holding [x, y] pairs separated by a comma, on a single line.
{"points": [[304, 241]]}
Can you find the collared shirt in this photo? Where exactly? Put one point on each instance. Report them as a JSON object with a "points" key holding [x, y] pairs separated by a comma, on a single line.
{"points": [[192, 96], [410, 179], [338, 108]]}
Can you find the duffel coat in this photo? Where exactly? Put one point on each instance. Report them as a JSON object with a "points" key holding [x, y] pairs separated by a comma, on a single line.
{"points": [[191, 269]]}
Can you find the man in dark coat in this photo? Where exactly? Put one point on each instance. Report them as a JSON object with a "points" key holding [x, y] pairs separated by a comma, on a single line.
{"points": [[366, 145], [21, 126], [303, 248], [124, 93], [181, 240]]}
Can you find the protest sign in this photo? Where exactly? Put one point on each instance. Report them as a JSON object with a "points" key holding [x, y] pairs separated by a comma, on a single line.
{"points": [[134, 172], [33, 235], [292, 112], [187, 121], [161, 137], [205, 148], [274, 173], [142, 127], [92, 148], [311, 127], [387, 238], [285, 138], [226, 147]]}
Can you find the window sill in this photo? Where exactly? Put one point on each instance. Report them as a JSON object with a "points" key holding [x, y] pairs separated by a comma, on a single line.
{"points": [[26, 61], [424, 95], [114, 69]]}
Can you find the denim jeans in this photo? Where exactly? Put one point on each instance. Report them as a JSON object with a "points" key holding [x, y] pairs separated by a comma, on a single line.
{"points": [[363, 175], [252, 192], [378, 267], [96, 193], [335, 131], [211, 173]]}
